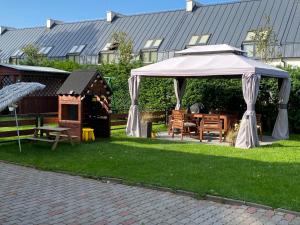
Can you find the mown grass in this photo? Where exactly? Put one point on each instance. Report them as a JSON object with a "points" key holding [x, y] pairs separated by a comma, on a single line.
{"points": [[268, 175]]}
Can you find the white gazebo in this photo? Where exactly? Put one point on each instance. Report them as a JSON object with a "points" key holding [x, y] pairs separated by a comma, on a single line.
{"points": [[213, 61]]}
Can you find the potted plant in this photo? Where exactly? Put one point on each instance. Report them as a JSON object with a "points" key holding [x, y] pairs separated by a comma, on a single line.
{"points": [[232, 134], [154, 132]]}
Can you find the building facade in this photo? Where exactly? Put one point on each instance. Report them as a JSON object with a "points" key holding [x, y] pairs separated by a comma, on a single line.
{"points": [[157, 36]]}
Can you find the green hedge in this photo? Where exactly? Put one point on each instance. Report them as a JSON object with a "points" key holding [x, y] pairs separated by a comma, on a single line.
{"points": [[215, 94]]}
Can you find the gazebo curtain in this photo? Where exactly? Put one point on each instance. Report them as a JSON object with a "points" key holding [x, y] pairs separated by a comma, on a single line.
{"points": [[133, 127], [179, 87], [281, 128], [247, 135]]}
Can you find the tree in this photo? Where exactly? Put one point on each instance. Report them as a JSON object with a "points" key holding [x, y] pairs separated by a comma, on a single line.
{"points": [[266, 41], [32, 56], [125, 46]]}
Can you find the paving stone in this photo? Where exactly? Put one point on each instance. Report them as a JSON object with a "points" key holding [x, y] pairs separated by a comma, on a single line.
{"points": [[29, 196]]}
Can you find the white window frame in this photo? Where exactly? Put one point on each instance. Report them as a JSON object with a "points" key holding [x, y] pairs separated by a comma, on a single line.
{"points": [[197, 40], [150, 56]]}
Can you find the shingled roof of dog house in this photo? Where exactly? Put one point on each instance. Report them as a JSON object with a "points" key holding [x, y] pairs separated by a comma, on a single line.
{"points": [[84, 101], [41, 101], [80, 82]]}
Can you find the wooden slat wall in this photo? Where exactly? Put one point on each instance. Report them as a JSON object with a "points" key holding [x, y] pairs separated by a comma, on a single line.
{"points": [[14, 133], [20, 122], [49, 120]]}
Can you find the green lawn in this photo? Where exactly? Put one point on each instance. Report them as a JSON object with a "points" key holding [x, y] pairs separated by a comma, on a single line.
{"points": [[268, 175]]}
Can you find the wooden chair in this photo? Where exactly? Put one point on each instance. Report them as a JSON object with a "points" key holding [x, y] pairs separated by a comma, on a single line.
{"points": [[210, 122], [180, 123], [259, 126]]}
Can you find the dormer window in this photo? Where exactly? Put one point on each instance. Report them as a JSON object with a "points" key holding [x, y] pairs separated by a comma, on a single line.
{"points": [[108, 53], [249, 45], [15, 57], [153, 43], [250, 36], [107, 57], [199, 40], [149, 53], [75, 52], [44, 51], [77, 49], [149, 56], [249, 48]]}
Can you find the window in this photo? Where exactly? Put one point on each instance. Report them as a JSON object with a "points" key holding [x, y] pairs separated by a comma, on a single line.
{"points": [[18, 54], [149, 53], [153, 43], [204, 39], [16, 57], [111, 46], [250, 36], [74, 58], [69, 112], [149, 56], [157, 43], [250, 49], [107, 57], [14, 60], [74, 53], [109, 53], [249, 44], [44, 50], [77, 49], [148, 44], [193, 40], [199, 40]]}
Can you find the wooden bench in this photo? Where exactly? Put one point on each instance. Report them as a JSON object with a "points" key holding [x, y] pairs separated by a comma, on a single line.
{"points": [[60, 134], [40, 139]]}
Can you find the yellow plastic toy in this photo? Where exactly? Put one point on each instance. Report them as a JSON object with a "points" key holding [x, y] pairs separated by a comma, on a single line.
{"points": [[88, 134]]}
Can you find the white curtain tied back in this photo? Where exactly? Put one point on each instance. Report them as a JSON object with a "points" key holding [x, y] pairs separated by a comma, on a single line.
{"points": [[250, 107], [133, 127], [281, 128], [179, 88], [247, 135]]}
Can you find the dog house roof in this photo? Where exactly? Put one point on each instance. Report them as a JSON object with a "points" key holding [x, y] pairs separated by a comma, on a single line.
{"points": [[81, 82]]}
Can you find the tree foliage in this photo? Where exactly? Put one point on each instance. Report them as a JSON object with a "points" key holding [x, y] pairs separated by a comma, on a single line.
{"points": [[125, 46], [266, 41], [32, 56]]}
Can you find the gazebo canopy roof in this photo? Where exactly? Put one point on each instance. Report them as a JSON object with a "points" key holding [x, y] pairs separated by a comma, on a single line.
{"points": [[208, 61], [210, 49]]}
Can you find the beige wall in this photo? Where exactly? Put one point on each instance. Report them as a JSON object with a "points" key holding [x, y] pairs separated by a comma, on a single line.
{"points": [[290, 61]]}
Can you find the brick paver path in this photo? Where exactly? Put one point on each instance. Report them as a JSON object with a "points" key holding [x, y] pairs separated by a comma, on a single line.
{"points": [[29, 196]]}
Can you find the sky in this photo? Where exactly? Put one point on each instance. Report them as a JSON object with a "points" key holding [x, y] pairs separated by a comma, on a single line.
{"points": [[29, 13]]}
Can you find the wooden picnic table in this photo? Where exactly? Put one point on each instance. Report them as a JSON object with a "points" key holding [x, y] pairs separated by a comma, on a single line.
{"points": [[53, 135]]}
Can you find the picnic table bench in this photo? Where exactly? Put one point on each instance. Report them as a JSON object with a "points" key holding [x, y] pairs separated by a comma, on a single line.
{"points": [[53, 135]]}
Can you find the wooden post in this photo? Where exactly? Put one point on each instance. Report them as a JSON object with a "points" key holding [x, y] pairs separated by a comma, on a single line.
{"points": [[41, 124], [280, 81]]}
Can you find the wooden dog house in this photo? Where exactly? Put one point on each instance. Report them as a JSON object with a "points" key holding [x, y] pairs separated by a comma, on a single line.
{"points": [[84, 101]]}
